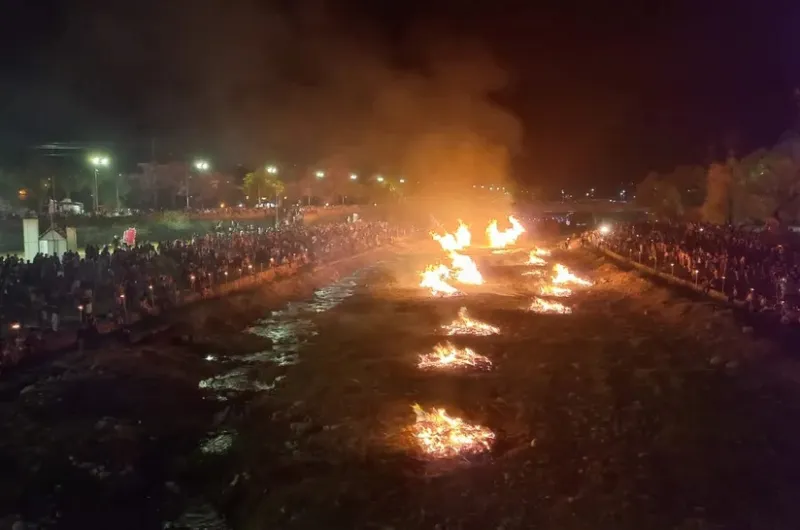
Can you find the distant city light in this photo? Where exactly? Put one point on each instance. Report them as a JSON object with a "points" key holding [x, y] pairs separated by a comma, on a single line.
{"points": [[272, 170], [353, 176], [202, 165], [402, 181], [379, 178], [320, 174]]}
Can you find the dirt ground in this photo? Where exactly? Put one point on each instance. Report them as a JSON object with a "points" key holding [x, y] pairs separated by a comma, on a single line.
{"points": [[640, 410]]}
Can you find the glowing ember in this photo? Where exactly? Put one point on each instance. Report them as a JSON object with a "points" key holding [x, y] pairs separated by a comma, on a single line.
{"points": [[464, 325], [448, 356], [466, 271], [540, 252], [498, 239], [539, 305], [564, 276], [442, 436], [536, 272], [533, 259], [554, 290], [452, 242], [434, 277]]}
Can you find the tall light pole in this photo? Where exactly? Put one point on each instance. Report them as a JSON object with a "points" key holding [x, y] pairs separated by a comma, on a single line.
{"points": [[199, 165], [273, 170], [320, 175], [97, 162]]}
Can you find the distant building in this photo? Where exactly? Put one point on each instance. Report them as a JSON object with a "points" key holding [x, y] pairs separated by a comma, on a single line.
{"points": [[65, 206]]}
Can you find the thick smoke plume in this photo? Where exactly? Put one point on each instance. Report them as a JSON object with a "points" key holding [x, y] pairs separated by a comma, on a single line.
{"points": [[300, 82]]}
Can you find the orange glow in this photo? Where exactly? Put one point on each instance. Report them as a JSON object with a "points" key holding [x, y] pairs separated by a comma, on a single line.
{"points": [[448, 356], [564, 276], [464, 325], [540, 305], [442, 436], [498, 239], [541, 252]]}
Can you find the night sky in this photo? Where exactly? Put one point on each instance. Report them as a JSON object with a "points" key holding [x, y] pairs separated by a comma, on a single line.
{"points": [[576, 93]]}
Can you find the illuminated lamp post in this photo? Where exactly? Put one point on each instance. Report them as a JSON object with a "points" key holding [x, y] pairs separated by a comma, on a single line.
{"points": [[97, 162], [201, 166]]}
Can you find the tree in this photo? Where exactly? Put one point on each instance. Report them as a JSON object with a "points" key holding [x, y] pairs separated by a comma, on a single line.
{"points": [[660, 196], [263, 184]]}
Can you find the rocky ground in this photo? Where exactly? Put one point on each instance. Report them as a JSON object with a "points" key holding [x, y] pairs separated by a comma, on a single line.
{"points": [[641, 409]]}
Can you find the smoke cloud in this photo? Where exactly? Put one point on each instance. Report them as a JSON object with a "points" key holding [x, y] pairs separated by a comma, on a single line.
{"points": [[298, 82]]}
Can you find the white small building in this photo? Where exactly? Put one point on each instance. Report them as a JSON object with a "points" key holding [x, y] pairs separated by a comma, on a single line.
{"points": [[53, 243]]}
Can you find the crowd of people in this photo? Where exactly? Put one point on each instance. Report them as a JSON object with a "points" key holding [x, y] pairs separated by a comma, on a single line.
{"points": [[760, 268], [116, 281]]}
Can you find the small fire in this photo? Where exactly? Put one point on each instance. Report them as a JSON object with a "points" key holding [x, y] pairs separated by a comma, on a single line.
{"points": [[498, 239], [448, 356], [535, 272], [442, 436], [541, 251], [554, 290], [466, 270], [533, 259], [434, 278], [452, 242], [540, 305], [464, 325], [564, 276]]}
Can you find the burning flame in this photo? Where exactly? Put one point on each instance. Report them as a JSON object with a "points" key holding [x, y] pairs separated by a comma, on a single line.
{"points": [[463, 235], [452, 242], [564, 276], [442, 436], [464, 325], [448, 356], [540, 305], [498, 239], [554, 290], [466, 271], [434, 277], [533, 259]]}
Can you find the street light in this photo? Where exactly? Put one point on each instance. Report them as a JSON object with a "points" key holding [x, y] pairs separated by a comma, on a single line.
{"points": [[353, 176], [320, 174], [402, 181], [272, 170], [379, 178], [199, 165], [98, 161]]}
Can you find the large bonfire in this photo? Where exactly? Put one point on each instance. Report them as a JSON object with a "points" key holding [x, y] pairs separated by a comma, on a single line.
{"points": [[446, 356], [434, 277], [464, 325], [498, 239], [463, 268], [442, 436], [452, 242]]}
